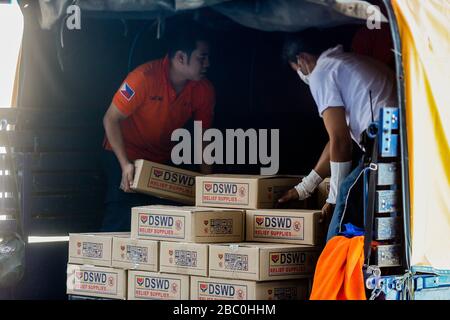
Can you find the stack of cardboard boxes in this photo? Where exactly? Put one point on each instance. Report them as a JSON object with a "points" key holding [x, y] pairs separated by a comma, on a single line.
{"points": [[184, 235], [199, 252], [90, 270]]}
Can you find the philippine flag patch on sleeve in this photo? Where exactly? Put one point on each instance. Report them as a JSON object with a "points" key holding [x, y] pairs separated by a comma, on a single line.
{"points": [[127, 91]]}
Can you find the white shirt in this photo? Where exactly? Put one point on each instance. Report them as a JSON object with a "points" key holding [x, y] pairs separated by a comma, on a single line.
{"points": [[343, 79]]}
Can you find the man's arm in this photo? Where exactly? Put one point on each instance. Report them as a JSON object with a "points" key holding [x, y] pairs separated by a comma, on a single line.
{"points": [[305, 188], [323, 165], [340, 144], [337, 151], [111, 122], [340, 153]]}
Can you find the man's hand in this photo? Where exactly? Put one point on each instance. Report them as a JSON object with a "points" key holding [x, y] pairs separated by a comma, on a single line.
{"points": [[304, 189], [289, 196], [127, 177], [327, 213]]}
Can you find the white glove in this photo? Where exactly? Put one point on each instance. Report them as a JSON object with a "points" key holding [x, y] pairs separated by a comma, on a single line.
{"points": [[339, 171], [308, 185]]}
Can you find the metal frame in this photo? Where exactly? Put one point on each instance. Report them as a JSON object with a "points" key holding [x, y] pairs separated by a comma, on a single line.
{"points": [[403, 133]]}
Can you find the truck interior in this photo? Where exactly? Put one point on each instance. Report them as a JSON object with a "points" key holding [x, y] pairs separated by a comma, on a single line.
{"points": [[67, 79]]}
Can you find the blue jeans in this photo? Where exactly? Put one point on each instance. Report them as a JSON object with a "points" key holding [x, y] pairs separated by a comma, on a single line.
{"points": [[118, 204], [333, 228]]}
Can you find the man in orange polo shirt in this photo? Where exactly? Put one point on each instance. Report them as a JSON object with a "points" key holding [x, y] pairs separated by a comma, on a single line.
{"points": [[155, 99]]}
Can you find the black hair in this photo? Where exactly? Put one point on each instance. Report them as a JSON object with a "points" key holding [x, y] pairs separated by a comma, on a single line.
{"points": [[184, 38], [311, 41]]}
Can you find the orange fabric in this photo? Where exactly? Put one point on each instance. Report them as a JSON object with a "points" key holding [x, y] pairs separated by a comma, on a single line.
{"points": [[339, 273], [154, 111]]}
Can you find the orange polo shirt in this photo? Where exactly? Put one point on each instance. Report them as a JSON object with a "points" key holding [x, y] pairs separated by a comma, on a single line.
{"points": [[154, 111]]}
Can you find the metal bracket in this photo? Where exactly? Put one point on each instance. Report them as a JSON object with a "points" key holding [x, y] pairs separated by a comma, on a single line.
{"points": [[389, 141], [387, 201]]}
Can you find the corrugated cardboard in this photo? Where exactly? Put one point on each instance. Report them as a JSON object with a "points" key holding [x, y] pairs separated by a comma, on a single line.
{"points": [[226, 289], [241, 191], [164, 181], [262, 261], [96, 281], [322, 193], [92, 248], [285, 226], [184, 258], [135, 254], [188, 224], [144, 285]]}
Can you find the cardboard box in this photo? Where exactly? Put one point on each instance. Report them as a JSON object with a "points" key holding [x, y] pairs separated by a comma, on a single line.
{"points": [[322, 193], [187, 224], [164, 181], [242, 191], [184, 258], [144, 285], [96, 281], [225, 289], [262, 261], [135, 254], [92, 248], [285, 226]]}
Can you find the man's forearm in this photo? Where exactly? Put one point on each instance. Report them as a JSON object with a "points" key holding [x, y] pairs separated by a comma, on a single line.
{"points": [[340, 150], [114, 135], [310, 182], [323, 165], [340, 165]]}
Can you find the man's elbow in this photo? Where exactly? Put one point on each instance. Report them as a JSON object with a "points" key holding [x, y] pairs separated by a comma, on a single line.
{"points": [[105, 121], [341, 145], [108, 120]]}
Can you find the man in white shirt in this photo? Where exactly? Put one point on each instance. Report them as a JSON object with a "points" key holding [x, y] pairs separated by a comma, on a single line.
{"points": [[349, 91]]}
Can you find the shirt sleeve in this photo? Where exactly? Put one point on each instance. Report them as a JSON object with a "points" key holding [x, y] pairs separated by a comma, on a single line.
{"points": [[131, 93], [325, 91], [204, 106]]}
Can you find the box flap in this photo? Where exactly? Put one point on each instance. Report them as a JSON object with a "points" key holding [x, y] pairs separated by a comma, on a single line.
{"points": [[246, 176], [99, 234], [284, 211], [191, 209]]}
